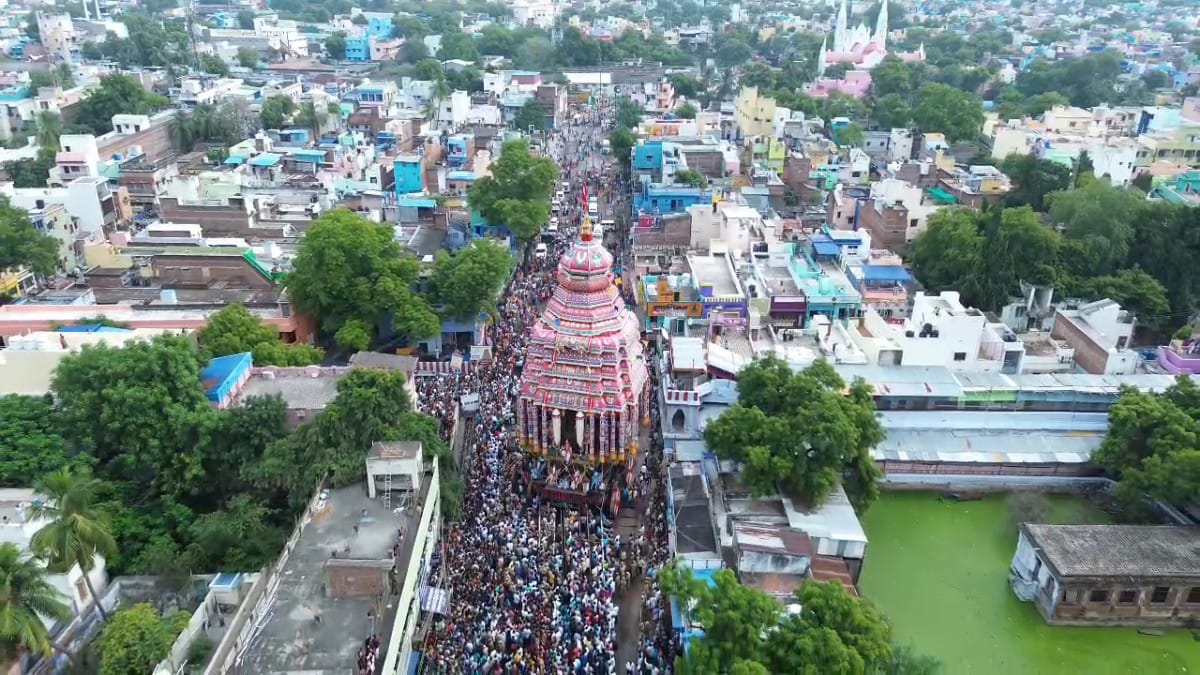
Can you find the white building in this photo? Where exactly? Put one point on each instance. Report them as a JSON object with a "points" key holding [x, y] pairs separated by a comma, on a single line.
{"points": [[940, 332], [17, 528], [1099, 332], [540, 13]]}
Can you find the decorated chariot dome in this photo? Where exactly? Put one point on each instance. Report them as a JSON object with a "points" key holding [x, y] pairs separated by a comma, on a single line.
{"points": [[584, 384]]}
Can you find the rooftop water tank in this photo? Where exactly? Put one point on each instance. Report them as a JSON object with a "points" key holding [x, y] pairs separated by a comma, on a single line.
{"points": [[167, 296]]}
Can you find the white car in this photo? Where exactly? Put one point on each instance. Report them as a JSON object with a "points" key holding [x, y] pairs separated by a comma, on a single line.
{"points": [[541, 251], [559, 196]]}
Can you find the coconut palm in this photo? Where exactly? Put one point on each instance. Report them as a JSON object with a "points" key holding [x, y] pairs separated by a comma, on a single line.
{"points": [[439, 92], [49, 129], [181, 133], [311, 117], [77, 530], [26, 598]]}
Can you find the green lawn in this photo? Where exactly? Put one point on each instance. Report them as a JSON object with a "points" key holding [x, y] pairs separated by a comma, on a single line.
{"points": [[939, 570]]}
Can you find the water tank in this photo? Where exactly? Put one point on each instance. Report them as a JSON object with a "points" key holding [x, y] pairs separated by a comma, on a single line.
{"points": [[825, 286], [167, 296]]}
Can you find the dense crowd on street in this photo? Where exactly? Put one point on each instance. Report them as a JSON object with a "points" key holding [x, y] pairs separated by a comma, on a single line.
{"points": [[534, 587]]}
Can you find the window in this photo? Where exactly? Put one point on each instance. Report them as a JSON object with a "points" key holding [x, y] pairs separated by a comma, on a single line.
{"points": [[960, 356], [1128, 596], [1194, 595], [1098, 595], [1159, 595], [81, 590]]}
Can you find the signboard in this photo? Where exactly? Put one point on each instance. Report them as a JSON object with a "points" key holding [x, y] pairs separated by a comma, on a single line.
{"points": [[470, 402], [726, 320], [693, 310]]}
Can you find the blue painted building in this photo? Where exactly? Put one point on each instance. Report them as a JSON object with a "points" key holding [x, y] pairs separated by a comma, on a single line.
{"points": [[358, 48], [648, 156], [664, 199], [410, 174], [458, 149], [224, 19], [380, 26]]}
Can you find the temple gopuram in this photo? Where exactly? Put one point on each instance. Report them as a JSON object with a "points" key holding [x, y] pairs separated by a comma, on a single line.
{"points": [[584, 386]]}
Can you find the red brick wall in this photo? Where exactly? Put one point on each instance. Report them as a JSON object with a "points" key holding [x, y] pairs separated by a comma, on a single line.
{"points": [[356, 580], [1089, 355]]}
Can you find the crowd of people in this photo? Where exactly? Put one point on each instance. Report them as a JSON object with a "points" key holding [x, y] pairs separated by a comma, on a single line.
{"points": [[534, 587]]}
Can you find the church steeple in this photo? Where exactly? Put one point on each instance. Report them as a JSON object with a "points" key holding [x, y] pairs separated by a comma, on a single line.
{"points": [[839, 30], [821, 59], [881, 25]]}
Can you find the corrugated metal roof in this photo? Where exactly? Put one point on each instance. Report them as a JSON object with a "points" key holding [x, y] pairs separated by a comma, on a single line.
{"points": [[926, 445]]}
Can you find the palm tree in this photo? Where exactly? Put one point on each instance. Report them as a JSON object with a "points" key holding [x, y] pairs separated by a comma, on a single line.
{"points": [[181, 133], [26, 598], [439, 93], [49, 129], [311, 118], [77, 531]]}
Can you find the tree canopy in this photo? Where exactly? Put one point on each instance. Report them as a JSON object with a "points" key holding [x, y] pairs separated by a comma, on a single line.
{"points": [[532, 115], [351, 269], [803, 432], [234, 330], [747, 631], [944, 109], [116, 95], [517, 194], [137, 639], [1153, 446], [30, 443], [275, 110], [22, 244], [468, 281], [1096, 241]]}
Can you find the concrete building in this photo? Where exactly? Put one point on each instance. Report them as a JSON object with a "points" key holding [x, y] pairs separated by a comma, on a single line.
{"points": [[940, 332], [17, 528], [356, 567], [754, 114], [28, 361], [1109, 575], [1099, 332]]}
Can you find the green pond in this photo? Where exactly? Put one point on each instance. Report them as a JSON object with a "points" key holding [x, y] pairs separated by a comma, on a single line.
{"points": [[939, 570]]}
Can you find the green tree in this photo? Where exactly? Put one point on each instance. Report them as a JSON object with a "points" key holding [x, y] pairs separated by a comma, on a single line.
{"points": [[535, 53], [1153, 446], [470, 280], [944, 109], [116, 95], [517, 194], [234, 330], [736, 618], [213, 65], [276, 110], [414, 52], [733, 52], [621, 142], [77, 527], [850, 136], [755, 74], [1033, 178], [801, 432], [532, 115], [687, 111], [32, 29], [833, 633], [58, 76], [30, 444], [27, 601], [245, 19], [22, 244], [629, 114], [906, 661], [1086, 81], [49, 130], [137, 639], [335, 46], [1035, 105], [247, 57], [350, 269], [31, 173], [985, 255], [237, 536], [690, 87], [458, 45], [892, 112], [1098, 217], [312, 118], [690, 177]]}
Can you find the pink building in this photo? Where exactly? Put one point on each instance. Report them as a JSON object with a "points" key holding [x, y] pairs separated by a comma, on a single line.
{"points": [[856, 83]]}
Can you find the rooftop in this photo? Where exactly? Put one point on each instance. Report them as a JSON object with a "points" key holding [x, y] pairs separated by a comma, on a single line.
{"points": [[988, 446], [1125, 551], [772, 540], [715, 270], [349, 524], [299, 391], [693, 524]]}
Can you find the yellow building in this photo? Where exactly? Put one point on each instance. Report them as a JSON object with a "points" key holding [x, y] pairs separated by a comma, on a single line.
{"points": [[1180, 147], [15, 284], [754, 114]]}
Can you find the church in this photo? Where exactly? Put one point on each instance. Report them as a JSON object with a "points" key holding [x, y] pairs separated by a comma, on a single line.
{"points": [[860, 48]]}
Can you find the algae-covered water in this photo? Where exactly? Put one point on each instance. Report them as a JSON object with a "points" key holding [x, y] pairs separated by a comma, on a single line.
{"points": [[939, 570]]}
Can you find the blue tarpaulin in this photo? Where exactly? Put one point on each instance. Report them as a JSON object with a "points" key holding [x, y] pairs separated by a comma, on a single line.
{"points": [[894, 273]]}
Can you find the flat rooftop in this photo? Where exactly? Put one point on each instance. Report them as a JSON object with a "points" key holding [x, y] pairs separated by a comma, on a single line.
{"points": [[1124, 551], [715, 270], [298, 392], [779, 281], [987, 446], [693, 523], [291, 641]]}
